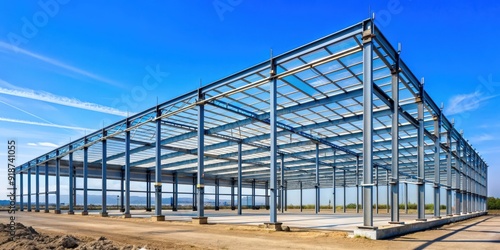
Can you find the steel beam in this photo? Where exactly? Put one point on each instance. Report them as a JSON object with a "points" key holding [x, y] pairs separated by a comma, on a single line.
{"points": [[368, 123]]}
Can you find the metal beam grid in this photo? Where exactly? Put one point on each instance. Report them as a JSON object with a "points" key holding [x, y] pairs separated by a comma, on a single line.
{"points": [[319, 101]]}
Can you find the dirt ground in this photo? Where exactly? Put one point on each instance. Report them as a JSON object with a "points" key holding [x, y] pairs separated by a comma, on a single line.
{"points": [[52, 231]]}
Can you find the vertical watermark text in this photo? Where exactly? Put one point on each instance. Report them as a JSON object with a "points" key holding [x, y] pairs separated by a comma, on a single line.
{"points": [[11, 189]]}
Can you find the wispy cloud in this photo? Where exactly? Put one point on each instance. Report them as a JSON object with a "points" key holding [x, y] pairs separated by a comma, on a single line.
{"points": [[3, 119], [42, 144], [59, 64], [466, 102], [61, 100], [482, 138]]}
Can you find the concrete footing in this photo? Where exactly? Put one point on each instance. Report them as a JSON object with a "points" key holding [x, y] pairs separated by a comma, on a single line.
{"points": [[71, 212], [395, 230], [126, 216], [396, 222], [85, 213], [148, 209], [103, 214], [420, 219], [274, 226], [199, 220], [158, 218], [37, 211], [56, 211], [46, 211]]}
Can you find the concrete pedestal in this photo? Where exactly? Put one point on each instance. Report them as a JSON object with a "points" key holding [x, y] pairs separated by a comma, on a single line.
{"points": [[126, 216], [274, 226], [56, 211], [157, 218], [103, 214], [199, 220], [85, 213]]}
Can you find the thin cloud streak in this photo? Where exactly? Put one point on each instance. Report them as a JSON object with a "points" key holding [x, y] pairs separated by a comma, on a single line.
{"points": [[26, 112], [61, 100], [466, 102], [3, 119], [59, 64]]}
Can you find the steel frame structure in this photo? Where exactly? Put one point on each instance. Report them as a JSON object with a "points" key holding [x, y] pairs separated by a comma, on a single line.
{"points": [[324, 114]]}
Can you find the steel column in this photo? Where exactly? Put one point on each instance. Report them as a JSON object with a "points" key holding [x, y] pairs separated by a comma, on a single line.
{"points": [[406, 197], [71, 183], [21, 193], [376, 189], [175, 192], [158, 181], [46, 187], [286, 195], [437, 158], [148, 191], [282, 183], [29, 188], [344, 206], [240, 180], [253, 194], [194, 194], [334, 191], [37, 189], [300, 195], [387, 191], [232, 193], [104, 175], [367, 124], [357, 185], [267, 195], [85, 177], [449, 180], [420, 156], [394, 200], [317, 204], [273, 141], [58, 184], [127, 172], [201, 157], [216, 194]]}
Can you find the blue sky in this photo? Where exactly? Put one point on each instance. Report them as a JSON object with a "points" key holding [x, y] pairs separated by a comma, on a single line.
{"points": [[79, 65]]}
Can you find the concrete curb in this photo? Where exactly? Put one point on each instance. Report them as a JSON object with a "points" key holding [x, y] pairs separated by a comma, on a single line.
{"points": [[396, 230]]}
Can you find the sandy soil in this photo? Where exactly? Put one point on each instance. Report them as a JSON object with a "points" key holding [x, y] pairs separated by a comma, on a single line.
{"points": [[478, 233]]}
